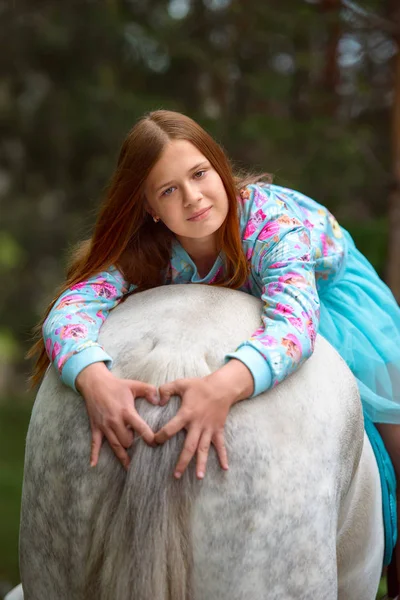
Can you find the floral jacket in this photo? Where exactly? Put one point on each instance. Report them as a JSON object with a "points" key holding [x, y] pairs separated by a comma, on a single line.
{"points": [[294, 246]]}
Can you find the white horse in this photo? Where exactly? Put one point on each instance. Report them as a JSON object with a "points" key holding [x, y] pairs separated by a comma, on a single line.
{"points": [[298, 515]]}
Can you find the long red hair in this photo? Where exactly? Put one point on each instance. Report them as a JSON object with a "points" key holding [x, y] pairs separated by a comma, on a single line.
{"points": [[126, 236]]}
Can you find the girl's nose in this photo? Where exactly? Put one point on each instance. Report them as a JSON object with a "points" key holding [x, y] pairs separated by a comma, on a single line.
{"points": [[192, 194]]}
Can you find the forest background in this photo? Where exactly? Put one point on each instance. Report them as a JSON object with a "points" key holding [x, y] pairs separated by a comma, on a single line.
{"points": [[306, 90]]}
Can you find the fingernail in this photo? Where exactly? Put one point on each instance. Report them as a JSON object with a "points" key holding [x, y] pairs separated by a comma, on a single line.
{"points": [[177, 475], [156, 399], [200, 475]]}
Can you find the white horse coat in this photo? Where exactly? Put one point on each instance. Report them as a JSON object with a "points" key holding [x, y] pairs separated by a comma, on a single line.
{"points": [[298, 515]]}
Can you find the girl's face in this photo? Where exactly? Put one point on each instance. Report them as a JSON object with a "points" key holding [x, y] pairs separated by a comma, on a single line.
{"points": [[182, 184]]}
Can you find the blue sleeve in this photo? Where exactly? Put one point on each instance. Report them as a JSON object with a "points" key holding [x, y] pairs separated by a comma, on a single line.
{"points": [[282, 263], [72, 327]]}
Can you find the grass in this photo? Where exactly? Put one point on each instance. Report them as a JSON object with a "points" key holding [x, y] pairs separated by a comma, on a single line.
{"points": [[382, 590], [14, 420]]}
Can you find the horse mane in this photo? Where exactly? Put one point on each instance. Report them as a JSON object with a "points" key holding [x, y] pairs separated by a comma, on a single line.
{"points": [[154, 524]]}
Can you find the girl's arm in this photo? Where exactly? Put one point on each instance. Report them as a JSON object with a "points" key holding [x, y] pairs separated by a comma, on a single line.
{"points": [[284, 267], [70, 333], [72, 327]]}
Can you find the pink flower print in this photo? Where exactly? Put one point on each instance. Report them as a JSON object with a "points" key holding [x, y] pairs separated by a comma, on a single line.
{"points": [[62, 360], [56, 350], [288, 221], [80, 286], [304, 238], [277, 265], [259, 199], [293, 347], [249, 253], [101, 287], [100, 315], [294, 279], [269, 230], [268, 341], [308, 224], [327, 244], [70, 299], [77, 331], [258, 332], [174, 273], [105, 290], [217, 274], [311, 332], [253, 223], [283, 309], [296, 322], [85, 317], [263, 338], [53, 353], [274, 288]]}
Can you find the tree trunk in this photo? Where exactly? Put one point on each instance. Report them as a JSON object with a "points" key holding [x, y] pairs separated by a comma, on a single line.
{"points": [[331, 73], [393, 265]]}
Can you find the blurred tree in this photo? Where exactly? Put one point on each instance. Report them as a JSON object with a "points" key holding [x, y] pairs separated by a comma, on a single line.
{"points": [[302, 89], [393, 269]]}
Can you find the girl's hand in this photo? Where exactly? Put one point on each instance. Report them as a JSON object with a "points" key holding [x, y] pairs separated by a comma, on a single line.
{"points": [[203, 414], [111, 409]]}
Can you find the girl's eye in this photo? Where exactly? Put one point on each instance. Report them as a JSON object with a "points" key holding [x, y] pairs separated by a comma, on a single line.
{"points": [[168, 191], [199, 174]]}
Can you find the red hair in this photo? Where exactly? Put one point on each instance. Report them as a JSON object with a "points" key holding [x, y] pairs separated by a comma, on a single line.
{"points": [[126, 236]]}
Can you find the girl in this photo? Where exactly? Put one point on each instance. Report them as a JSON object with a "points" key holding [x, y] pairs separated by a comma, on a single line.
{"points": [[175, 213]]}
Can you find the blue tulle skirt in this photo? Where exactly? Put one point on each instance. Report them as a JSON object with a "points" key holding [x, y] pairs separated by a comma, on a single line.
{"points": [[361, 319]]}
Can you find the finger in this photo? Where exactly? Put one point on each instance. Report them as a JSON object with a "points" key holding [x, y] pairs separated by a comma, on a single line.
{"points": [[97, 438], [170, 429], [202, 454], [170, 389], [141, 427], [144, 390], [189, 450], [117, 448], [219, 444], [123, 434]]}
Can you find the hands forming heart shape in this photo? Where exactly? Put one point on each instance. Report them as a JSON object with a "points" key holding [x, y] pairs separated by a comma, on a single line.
{"points": [[205, 405]]}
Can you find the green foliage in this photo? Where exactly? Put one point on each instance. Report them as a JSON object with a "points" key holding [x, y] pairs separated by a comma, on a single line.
{"points": [[14, 419], [10, 252], [8, 346], [77, 77]]}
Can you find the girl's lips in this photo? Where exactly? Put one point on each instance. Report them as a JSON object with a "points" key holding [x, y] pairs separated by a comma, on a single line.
{"points": [[201, 215]]}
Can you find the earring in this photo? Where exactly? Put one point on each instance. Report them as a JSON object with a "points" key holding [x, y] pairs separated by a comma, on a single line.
{"points": [[156, 219]]}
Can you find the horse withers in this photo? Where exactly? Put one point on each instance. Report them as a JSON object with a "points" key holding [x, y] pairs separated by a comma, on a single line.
{"points": [[298, 514]]}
